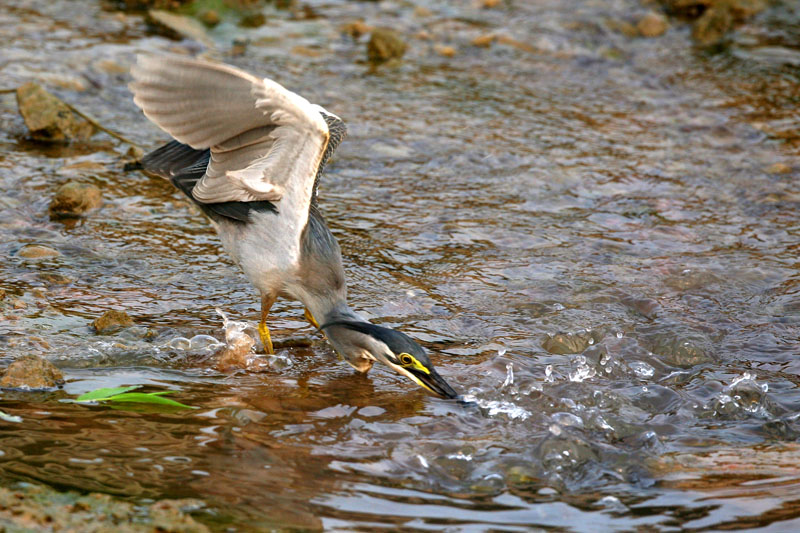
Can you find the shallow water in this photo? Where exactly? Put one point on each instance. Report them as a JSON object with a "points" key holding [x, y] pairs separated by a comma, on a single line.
{"points": [[581, 227]]}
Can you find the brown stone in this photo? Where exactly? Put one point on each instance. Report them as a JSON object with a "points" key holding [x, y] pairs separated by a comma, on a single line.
{"points": [[445, 50], [112, 320], [710, 29], [48, 118], [73, 199], [483, 40], [385, 44], [37, 251], [778, 168], [31, 372], [210, 18], [356, 29], [652, 25]]}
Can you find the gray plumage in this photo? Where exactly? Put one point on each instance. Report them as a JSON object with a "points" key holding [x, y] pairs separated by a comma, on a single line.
{"points": [[250, 154]]}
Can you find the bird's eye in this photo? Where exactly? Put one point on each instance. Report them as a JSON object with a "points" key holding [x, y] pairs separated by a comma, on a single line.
{"points": [[406, 359]]}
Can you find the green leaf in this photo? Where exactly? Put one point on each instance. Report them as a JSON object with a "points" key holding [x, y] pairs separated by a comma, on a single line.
{"points": [[104, 394], [152, 397]]}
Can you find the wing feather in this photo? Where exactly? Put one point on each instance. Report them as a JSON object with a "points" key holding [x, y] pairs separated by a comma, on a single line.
{"points": [[263, 138]]}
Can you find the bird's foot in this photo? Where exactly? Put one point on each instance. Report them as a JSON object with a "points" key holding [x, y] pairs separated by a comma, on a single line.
{"points": [[263, 332], [311, 319]]}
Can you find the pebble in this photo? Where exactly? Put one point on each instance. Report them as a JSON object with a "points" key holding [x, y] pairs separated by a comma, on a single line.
{"points": [[652, 25], [445, 50], [73, 199], [111, 320], [484, 40], [778, 168], [48, 118], [385, 44], [37, 251], [31, 372]]}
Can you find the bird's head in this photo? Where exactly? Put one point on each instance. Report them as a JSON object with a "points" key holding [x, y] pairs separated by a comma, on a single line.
{"points": [[360, 343]]}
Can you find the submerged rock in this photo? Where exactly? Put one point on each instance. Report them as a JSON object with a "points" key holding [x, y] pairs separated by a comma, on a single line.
{"points": [[652, 25], [73, 199], [31, 372], [111, 320], [568, 343], [711, 28], [35, 508], [37, 251], [385, 44], [48, 118]]}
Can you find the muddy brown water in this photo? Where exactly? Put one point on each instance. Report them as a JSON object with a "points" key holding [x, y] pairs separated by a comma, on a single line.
{"points": [[595, 236]]}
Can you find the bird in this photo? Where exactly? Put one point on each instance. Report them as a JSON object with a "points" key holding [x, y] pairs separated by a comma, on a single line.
{"points": [[250, 153]]}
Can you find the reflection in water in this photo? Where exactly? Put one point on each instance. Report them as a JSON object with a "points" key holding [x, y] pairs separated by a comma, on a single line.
{"points": [[594, 235]]}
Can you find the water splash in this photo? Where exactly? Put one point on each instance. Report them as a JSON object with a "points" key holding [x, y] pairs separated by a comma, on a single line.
{"points": [[509, 376], [583, 371], [499, 407]]}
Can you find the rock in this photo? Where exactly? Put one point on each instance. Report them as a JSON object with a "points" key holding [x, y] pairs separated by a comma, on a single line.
{"points": [[112, 320], [445, 50], [356, 29], [37, 251], [177, 27], [652, 25], [31, 372], [483, 40], [623, 26], [778, 168], [210, 18], [421, 11], [683, 350], [710, 29], [490, 3], [385, 44], [566, 343], [73, 199], [48, 118], [37, 508], [253, 20]]}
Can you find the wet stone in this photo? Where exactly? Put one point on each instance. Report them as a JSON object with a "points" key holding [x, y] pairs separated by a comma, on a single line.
{"points": [[31, 372], [73, 199], [48, 118], [778, 168], [112, 320], [252, 20], [37, 251], [210, 18], [568, 343], [682, 350], [712, 27], [652, 25], [385, 44]]}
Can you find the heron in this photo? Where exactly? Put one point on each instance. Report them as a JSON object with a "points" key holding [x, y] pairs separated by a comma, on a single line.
{"points": [[250, 153]]}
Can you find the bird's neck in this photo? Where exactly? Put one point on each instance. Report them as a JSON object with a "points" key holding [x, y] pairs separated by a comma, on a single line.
{"points": [[337, 312]]}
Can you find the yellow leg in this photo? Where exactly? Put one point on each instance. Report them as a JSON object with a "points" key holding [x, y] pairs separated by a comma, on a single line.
{"points": [[311, 319], [263, 330]]}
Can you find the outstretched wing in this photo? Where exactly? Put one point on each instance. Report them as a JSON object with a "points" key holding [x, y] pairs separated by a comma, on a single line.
{"points": [[263, 138]]}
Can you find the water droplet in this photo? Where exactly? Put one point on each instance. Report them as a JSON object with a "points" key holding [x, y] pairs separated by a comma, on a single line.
{"points": [[509, 375], [642, 369], [548, 374], [619, 334], [501, 352], [422, 461]]}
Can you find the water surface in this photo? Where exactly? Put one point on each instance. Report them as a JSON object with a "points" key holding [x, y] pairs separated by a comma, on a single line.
{"points": [[589, 232]]}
